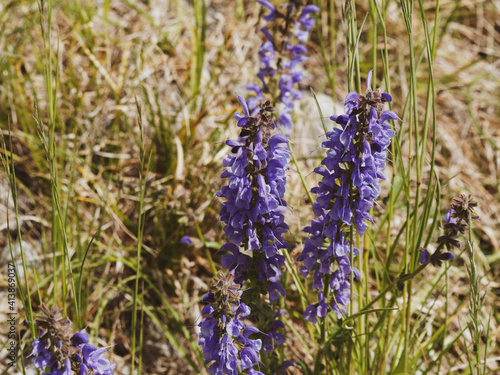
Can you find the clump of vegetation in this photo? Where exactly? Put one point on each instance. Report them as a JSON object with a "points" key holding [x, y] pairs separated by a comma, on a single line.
{"points": [[120, 201]]}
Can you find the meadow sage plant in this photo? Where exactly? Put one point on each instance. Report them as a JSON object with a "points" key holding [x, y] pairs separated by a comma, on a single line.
{"points": [[351, 172], [223, 336], [280, 58], [254, 208], [59, 352], [456, 222]]}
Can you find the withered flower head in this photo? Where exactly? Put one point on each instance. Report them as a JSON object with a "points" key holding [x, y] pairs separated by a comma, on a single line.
{"points": [[55, 333], [226, 292], [58, 351], [437, 258], [457, 221], [462, 206], [223, 335]]}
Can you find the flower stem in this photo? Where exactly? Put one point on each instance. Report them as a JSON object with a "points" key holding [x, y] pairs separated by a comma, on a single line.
{"points": [[392, 285], [323, 332]]}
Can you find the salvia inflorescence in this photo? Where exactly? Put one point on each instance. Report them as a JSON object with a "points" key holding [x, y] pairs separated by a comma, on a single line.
{"points": [[456, 222], [58, 351], [351, 172], [223, 336], [281, 56], [254, 208]]}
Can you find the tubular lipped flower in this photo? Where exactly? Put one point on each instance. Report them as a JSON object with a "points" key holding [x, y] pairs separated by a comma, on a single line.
{"points": [[254, 206], [59, 352], [457, 221], [281, 55], [254, 214], [351, 172], [223, 335]]}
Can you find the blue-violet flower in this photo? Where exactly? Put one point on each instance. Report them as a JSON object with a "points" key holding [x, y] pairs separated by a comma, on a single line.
{"points": [[224, 337], [456, 221], [281, 55], [254, 206], [58, 352], [351, 171]]}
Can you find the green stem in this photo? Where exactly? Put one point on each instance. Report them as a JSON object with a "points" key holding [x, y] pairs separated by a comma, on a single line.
{"points": [[140, 230], [11, 174], [323, 331], [475, 297], [392, 285]]}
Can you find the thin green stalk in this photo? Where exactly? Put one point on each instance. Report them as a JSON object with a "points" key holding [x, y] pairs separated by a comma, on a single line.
{"points": [[354, 32], [51, 105], [142, 191], [374, 33], [400, 279], [58, 217], [323, 332], [11, 176], [410, 252], [445, 326], [295, 162], [199, 37], [304, 300], [141, 335], [328, 65], [430, 106], [475, 298], [352, 43], [364, 298]]}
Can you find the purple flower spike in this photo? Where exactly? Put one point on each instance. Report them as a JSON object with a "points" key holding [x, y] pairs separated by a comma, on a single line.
{"points": [[222, 327], [71, 352], [292, 28], [456, 222], [351, 172], [259, 159], [253, 211], [253, 204]]}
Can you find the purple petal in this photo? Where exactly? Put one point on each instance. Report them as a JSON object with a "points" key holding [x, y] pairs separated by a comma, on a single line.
{"points": [[244, 104], [310, 9], [186, 240], [369, 80], [448, 256], [267, 34], [388, 115], [272, 10], [311, 313], [385, 97], [425, 257]]}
